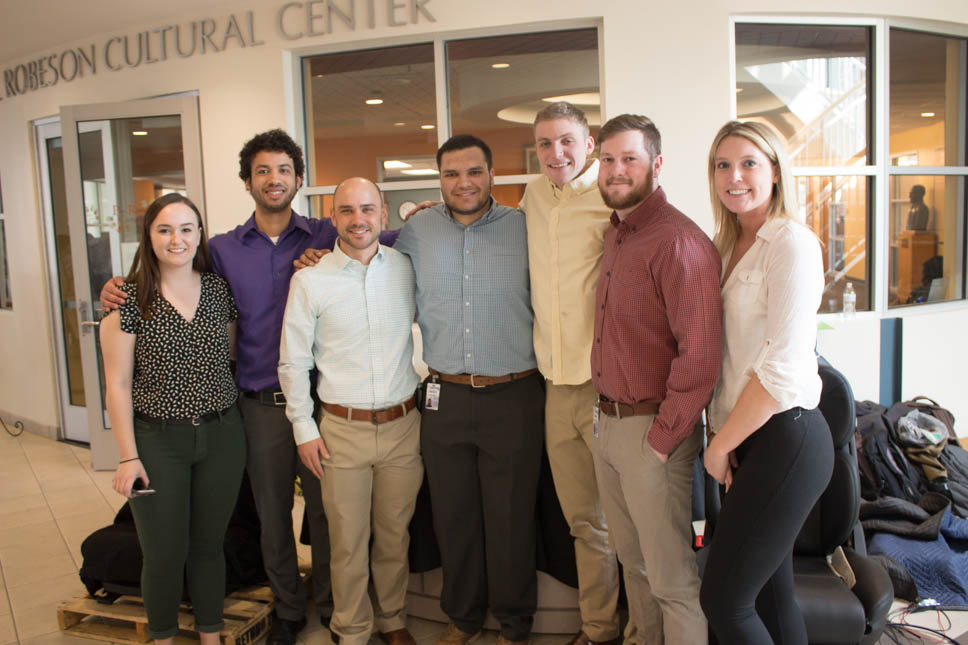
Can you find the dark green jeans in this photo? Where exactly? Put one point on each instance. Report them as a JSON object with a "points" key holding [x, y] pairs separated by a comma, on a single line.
{"points": [[196, 471]]}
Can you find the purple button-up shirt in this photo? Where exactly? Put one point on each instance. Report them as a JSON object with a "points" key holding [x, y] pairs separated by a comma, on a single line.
{"points": [[258, 273]]}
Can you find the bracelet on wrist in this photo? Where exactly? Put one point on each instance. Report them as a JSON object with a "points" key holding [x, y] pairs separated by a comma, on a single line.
{"points": [[124, 461]]}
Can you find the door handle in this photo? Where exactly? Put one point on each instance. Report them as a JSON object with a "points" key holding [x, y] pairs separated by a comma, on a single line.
{"points": [[87, 326]]}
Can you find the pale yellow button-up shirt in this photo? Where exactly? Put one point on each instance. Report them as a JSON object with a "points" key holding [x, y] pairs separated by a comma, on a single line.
{"points": [[566, 227]]}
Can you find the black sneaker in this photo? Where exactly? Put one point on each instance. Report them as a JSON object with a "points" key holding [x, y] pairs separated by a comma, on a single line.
{"points": [[284, 632], [325, 620]]}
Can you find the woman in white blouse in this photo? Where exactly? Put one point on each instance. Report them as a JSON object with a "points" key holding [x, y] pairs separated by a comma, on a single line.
{"points": [[771, 447]]}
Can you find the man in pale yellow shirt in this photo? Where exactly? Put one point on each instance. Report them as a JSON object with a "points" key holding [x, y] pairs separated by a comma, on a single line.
{"points": [[566, 224]]}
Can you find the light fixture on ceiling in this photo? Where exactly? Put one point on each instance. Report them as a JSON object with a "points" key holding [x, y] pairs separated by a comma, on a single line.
{"points": [[582, 98], [399, 123], [140, 133], [396, 163], [927, 115], [500, 65], [739, 89], [374, 101], [426, 126], [419, 172]]}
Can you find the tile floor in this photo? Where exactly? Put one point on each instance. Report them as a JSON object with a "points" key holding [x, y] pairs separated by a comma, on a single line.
{"points": [[50, 500]]}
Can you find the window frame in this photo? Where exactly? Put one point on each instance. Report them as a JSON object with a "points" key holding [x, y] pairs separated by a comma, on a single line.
{"points": [[879, 168], [295, 83], [6, 296]]}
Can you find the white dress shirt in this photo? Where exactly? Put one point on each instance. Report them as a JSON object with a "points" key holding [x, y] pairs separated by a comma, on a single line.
{"points": [[352, 321], [566, 227], [770, 303]]}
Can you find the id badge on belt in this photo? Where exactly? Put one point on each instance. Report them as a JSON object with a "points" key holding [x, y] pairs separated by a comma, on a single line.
{"points": [[432, 402]]}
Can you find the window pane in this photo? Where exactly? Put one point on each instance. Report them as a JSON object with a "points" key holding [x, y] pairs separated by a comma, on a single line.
{"points": [[810, 83], [347, 136], [926, 252], [927, 78], [836, 210], [497, 85]]}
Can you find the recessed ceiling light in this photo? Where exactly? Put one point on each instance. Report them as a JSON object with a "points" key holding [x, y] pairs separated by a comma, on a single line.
{"points": [[927, 114], [500, 65], [419, 171], [140, 133], [399, 123], [374, 101], [585, 98], [396, 163], [426, 126]]}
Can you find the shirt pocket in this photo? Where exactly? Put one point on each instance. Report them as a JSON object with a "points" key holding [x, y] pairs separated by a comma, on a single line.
{"points": [[749, 285]]}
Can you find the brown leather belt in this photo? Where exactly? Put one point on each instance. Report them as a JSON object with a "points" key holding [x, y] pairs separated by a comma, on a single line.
{"points": [[476, 380], [619, 410], [384, 415]]}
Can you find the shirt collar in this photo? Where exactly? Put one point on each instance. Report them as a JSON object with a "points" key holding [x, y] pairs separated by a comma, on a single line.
{"points": [[484, 219], [640, 216], [771, 227], [342, 260], [295, 221]]}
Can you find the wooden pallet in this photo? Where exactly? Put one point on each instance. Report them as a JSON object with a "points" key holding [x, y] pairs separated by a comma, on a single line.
{"points": [[247, 614]]}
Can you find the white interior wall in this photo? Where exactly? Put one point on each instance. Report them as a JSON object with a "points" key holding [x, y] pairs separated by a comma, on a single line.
{"points": [[669, 60]]}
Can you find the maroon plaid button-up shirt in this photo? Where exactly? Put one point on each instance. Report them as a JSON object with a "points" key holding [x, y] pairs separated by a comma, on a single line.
{"points": [[659, 317]]}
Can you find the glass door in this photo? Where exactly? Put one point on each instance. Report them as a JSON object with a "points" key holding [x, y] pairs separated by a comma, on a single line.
{"points": [[63, 302], [117, 159]]}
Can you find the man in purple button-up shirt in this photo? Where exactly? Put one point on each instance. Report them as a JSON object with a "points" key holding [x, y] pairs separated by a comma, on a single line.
{"points": [[256, 258]]}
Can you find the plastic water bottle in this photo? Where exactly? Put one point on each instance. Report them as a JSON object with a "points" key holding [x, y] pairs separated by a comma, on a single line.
{"points": [[850, 301]]}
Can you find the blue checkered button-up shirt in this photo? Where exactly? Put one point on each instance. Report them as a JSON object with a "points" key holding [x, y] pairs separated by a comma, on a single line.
{"points": [[473, 290]]}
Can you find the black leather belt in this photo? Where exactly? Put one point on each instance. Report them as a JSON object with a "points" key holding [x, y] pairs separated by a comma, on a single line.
{"points": [[185, 421], [271, 398]]}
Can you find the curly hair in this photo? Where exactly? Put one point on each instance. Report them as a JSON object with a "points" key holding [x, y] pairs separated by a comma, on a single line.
{"points": [[272, 141]]}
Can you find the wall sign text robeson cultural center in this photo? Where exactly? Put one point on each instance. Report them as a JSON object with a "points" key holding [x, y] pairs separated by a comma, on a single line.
{"points": [[293, 20]]}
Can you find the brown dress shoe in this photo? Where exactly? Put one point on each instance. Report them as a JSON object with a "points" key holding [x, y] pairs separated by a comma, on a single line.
{"points": [[504, 641], [398, 637], [581, 638], [454, 635]]}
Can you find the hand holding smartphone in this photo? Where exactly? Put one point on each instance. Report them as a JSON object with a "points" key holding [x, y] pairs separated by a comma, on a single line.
{"points": [[138, 488]]}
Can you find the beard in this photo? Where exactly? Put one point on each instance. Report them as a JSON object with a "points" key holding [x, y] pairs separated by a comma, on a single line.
{"points": [[636, 194], [274, 208]]}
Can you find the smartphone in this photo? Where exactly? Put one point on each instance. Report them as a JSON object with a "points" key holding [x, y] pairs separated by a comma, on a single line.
{"points": [[138, 488]]}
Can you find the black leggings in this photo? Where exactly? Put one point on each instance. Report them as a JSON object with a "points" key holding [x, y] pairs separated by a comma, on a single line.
{"points": [[747, 586]]}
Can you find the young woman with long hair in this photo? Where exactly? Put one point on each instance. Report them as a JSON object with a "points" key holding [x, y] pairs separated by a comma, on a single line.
{"points": [[771, 447], [172, 403]]}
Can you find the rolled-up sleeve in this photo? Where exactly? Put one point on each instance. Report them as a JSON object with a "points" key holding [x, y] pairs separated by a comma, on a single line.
{"points": [[296, 358], [795, 281]]}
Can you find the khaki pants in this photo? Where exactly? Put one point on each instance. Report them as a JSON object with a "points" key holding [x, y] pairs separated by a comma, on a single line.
{"points": [[374, 472], [649, 507], [568, 434]]}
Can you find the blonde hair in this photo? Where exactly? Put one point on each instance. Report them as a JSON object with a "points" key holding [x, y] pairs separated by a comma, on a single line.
{"points": [[783, 203]]}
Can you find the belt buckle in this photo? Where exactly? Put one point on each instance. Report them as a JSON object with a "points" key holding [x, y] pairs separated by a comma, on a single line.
{"points": [[475, 385], [196, 421], [373, 420], [278, 398]]}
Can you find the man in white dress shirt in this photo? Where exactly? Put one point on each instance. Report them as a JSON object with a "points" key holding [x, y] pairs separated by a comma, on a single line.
{"points": [[350, 316]]}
